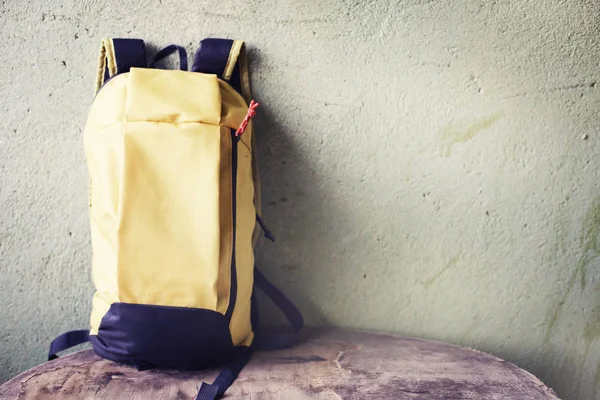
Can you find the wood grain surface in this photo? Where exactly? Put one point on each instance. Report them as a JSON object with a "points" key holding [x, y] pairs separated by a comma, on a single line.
{"points": [[330, 364]]}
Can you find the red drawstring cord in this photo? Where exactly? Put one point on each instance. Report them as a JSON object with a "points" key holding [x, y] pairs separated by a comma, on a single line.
{"points": [[251, 113]]}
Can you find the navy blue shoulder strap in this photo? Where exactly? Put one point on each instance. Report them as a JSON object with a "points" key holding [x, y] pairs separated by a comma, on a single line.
{"points": [[229, 373], [276, 341], [66, 341], [262, 340], [225, 58], [118, 56]]}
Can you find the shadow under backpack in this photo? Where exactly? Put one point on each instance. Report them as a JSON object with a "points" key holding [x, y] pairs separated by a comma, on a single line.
{"points": [[175, 214]]}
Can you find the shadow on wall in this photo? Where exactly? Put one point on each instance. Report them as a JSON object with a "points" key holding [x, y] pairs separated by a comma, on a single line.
{"points": [[287, 194], [295, 206]]}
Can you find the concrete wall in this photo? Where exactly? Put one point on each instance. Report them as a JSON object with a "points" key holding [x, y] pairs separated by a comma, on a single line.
{"points": [[430, 167]]}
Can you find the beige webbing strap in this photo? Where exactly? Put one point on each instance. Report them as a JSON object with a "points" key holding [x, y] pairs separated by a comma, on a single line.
{"points": [[106, 60], [234, 53], [237, 54]]}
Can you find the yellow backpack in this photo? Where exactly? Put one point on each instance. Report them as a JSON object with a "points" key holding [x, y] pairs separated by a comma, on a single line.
{"points": [[175, 213]]}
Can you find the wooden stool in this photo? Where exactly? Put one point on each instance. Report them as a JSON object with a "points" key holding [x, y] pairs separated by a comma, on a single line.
{"points": [[331, 364]]}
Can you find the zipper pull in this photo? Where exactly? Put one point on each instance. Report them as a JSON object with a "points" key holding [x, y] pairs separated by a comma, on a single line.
{"points": [[251, 113], [267, 232]]}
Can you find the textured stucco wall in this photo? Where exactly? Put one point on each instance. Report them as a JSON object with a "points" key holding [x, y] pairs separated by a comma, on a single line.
{"points": [[429, 167]]}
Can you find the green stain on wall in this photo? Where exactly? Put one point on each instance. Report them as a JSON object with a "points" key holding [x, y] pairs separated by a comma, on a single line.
{"points": [[453, 134], [451, 264], [590, 239], [592, 328], [558, 310], [591, 331], [590, 249], [596, 382]]}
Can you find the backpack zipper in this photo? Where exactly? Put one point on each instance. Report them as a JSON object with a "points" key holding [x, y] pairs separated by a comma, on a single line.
{"points": [[234, 165]]}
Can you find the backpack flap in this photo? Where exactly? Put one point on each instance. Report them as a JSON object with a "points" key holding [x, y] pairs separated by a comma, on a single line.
{"points": [[172, 96]]}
